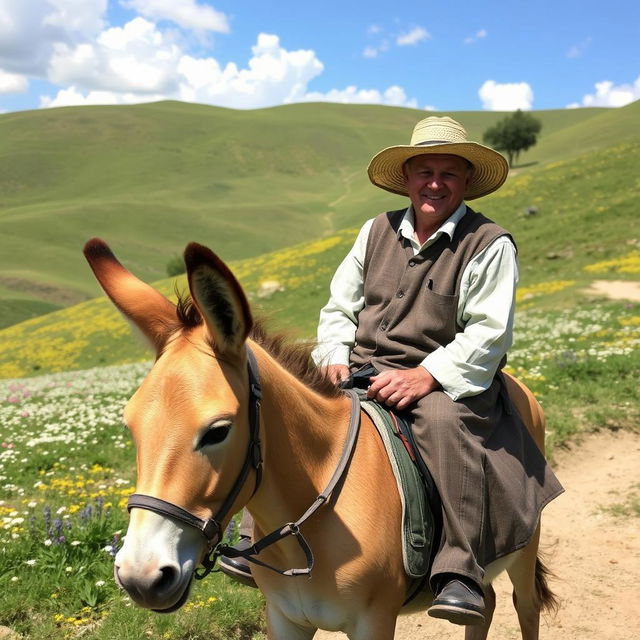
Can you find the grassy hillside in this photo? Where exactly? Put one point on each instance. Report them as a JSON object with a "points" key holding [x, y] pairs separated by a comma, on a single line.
{"points": [[150, 178], [64, 451], [587, 211]]}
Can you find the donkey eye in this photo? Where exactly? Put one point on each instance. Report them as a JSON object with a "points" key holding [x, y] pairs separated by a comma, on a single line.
{"points": [[214, 435]]}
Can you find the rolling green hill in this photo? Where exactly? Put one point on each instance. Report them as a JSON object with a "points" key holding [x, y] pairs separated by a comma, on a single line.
{"points": [[150, 178], [584, 228]]}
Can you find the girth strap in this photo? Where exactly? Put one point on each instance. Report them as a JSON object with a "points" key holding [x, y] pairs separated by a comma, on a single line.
{"points": [[293, 528]]}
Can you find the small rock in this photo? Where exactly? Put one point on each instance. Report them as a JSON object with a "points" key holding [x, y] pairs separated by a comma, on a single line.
{"points": [[9, 634], [268, 287]]}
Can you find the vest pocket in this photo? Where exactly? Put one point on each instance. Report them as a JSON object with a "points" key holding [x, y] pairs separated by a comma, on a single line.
{"points": [[439, 316], [430, 298]]}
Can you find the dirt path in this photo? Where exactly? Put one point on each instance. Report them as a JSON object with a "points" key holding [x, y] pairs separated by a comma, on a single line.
{"points": [[616, 289], [595, 555]]}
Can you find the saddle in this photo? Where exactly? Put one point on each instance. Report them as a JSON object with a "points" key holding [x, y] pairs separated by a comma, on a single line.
{"points": [[421, 508]]}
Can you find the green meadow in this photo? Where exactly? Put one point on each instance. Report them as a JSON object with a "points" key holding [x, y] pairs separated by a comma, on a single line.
{"points": [[150, 178]]}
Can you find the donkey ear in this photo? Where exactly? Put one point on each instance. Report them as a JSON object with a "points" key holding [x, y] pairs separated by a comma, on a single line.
{"points": [[140, 303], [218, 297]]}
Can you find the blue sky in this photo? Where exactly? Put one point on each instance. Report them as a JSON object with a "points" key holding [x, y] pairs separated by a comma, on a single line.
{"points": [[494, 55]]}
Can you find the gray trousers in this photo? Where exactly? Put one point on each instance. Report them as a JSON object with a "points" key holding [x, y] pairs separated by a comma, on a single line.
{"points": [[246, 524], [492, 479]]}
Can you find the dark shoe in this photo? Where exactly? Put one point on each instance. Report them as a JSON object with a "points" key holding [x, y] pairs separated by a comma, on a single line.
{"points": [[238, 568], [459, 601]]}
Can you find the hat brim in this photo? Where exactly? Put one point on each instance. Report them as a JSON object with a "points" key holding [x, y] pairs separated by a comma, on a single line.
{"points": [[490, 168]]}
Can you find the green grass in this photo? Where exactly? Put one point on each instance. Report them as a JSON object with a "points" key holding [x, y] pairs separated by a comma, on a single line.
{"points": [[582, 363], [630, 506], [16, 310], [67, 467], [150, 178]]}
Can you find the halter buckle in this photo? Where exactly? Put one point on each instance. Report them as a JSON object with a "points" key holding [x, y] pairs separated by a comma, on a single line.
{"points": [[211, 530]]}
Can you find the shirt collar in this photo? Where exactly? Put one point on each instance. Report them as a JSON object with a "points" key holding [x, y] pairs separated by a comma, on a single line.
{"points": [[407, 228]]}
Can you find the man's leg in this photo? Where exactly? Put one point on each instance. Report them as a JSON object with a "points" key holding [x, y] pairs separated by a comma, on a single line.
{"points": [[451, 437], [238, 568]]}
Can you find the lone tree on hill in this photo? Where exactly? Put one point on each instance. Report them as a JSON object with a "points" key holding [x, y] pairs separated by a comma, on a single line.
{"points": [[515, 133]]}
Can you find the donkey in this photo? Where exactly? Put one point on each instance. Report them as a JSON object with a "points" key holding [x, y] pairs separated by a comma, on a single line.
{"points": [[211, 439]]}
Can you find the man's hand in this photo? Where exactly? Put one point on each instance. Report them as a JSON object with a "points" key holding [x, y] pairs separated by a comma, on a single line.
{"points": [[336, 373], [400, 387]]}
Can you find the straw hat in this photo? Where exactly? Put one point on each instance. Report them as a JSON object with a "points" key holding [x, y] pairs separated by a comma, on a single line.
{"points": [[440, 135]]}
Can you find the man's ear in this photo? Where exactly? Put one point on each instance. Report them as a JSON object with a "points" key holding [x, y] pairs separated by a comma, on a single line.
{"points": [[405, 169], [470, 171]]}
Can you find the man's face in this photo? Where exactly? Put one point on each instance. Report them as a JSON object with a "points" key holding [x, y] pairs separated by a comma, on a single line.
{"points": [[436, 184]]}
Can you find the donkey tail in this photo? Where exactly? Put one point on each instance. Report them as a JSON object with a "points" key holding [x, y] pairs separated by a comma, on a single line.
{"points": [[548, 600]]}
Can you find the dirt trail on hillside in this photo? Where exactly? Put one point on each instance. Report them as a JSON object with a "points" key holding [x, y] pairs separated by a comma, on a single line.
{"points": [[595, 555], [616, 289]]}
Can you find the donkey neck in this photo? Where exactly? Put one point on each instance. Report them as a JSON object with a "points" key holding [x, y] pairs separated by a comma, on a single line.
{"points": [[304, 433]]}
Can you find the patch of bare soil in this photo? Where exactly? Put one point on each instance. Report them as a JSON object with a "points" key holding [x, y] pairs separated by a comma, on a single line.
{"points": [[594, 554], [42, 291], [616, 289]]}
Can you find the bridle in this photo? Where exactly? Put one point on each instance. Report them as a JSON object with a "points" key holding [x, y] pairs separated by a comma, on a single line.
{"points": [[211, 528]]}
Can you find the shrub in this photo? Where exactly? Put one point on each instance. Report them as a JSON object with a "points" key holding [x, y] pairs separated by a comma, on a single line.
{"points": [[176, 266]]}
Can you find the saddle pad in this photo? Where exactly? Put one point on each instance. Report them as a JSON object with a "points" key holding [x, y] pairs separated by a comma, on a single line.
{"points": [[417, 520]]}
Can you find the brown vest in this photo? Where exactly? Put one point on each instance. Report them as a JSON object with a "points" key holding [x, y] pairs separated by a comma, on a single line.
{"points": [[411, 301]]}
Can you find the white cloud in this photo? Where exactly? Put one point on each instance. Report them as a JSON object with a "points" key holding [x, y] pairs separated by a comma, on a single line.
{"points": [[374, 52], [77, 16], [138, 63], [412, 37], [274, 76], [134, 58], [68, 43], [479, 35], [577, 50], [185, 13], [28, 30], [393, 96], [72, 97], [13, 83], [505, 97], [609, 95]]}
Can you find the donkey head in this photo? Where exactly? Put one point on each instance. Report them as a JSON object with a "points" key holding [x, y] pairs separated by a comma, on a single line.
{"points": [[188, 419]]}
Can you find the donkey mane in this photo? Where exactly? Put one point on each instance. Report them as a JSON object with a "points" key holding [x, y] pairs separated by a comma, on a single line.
{"points": [[295, 357]]}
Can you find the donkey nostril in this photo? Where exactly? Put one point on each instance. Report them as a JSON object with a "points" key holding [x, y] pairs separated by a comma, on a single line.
{"points": [[166, 579]]}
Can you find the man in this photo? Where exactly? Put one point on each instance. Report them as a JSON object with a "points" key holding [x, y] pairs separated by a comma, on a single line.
{"points": [[426, 296]]}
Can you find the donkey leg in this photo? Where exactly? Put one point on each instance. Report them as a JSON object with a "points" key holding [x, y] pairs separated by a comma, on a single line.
{"points": [[526, 600], [373, 627], [479, 632], [279, 627]]}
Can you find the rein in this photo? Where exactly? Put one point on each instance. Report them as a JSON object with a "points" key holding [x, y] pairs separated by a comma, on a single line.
{"points": [[293, 528], [211, 528]]}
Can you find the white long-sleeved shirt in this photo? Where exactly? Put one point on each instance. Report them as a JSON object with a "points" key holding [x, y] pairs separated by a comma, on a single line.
{"points": [[464, 367]]}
